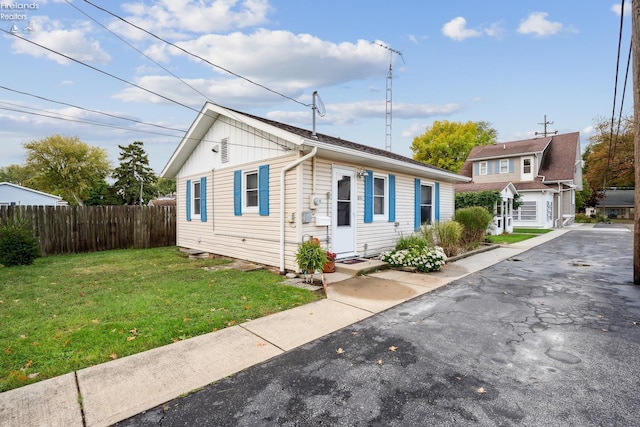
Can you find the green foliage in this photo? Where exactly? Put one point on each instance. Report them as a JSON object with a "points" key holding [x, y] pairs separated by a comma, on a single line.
{"points": [[580, 217], [486, 199], [447, 235], [310, 256], [507, 239], [411, 241], [165, 187], [102, 194], [134, 179], [66, 166], [448, 144], [475, 221], [18, 245], [16, 174]]}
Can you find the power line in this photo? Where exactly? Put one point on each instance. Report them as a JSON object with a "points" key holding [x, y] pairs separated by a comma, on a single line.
{"points": [[197, 56], [90, 110], [138, 50], [100, 71], [613, 111]]}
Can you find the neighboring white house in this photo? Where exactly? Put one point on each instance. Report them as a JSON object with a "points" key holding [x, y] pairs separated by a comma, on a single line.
{"points": [[545, 171], [17, 195], [253, 189]]}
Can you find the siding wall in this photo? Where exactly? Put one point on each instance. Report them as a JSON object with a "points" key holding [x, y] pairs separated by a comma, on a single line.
{"points": [[493, 169], [248, 236]]}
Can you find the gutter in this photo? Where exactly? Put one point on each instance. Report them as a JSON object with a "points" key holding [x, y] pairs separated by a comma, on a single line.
{"points": [[284, 170]]}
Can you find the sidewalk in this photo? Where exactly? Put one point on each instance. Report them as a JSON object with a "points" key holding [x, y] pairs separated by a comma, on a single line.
{"points": [[105, 394]]}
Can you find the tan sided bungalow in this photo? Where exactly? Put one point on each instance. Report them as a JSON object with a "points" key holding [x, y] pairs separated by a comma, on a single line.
{"points": [[254, 189]]}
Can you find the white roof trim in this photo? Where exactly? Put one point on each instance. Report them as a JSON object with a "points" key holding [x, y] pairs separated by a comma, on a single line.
{"points": [[31, 190]]}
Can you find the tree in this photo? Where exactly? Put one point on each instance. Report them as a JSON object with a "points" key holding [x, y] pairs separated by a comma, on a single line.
{"points": [[165, 187], [16, 174], [617, 154], [102, 194], [447, 144], [66, 166], [134, 179]]}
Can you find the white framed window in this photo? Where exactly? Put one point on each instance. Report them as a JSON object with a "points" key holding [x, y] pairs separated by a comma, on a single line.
{"points": [[379, 196], [526, 165], [504, 166], [426, 203], [250, 191], [195, 199], [482, 169]]}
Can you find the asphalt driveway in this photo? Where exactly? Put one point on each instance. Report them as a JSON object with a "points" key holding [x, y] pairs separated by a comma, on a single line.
{"points": [[551, 337]]}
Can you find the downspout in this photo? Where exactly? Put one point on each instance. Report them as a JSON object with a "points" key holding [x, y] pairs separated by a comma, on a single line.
{"points": [[283, 172]]}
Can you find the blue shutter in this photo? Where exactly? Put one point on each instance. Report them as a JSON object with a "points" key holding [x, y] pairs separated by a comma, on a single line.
{"points": [[368, 197], [188, 200], [392, 198], [510, 165], [237, 193], [497, 163], [437, 201], [489, 169], [203, 199], [476, 168], [416, 206], [263, 190]]}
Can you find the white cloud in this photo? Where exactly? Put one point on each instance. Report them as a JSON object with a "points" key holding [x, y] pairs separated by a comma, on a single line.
{"points": [[456, 29], [538, 24], [172, 18], [74, 43], [306, 61], [617, 9], [495, 30]]}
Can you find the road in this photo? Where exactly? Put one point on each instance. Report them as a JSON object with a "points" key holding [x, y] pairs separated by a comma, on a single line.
{"points": [[549, 338]]}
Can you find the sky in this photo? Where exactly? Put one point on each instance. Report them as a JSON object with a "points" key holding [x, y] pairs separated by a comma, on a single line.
{"points": [[79, 68]]}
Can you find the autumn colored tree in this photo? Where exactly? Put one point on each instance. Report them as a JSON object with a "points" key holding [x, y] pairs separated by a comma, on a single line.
{"points": [[447, 144], [609, 157], [66, 166]]}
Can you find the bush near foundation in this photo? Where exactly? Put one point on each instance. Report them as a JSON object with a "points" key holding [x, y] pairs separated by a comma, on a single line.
{"points": [[475, 221]]}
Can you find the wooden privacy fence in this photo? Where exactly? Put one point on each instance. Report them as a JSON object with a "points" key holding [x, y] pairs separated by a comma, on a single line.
{"points": [[71, 229]]}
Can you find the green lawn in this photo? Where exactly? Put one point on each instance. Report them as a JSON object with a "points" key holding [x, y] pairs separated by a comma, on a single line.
{"points": [[518, 235], [69, 312]]}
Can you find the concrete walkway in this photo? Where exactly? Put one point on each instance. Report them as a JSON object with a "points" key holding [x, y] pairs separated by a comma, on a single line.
{"points": [[105, 394]]}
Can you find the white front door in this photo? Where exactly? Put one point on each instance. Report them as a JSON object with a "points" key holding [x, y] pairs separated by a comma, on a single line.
{"points": [[344, 212]]}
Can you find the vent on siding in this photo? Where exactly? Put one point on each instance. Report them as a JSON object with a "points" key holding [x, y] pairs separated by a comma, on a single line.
{"points": [[224, 150]]}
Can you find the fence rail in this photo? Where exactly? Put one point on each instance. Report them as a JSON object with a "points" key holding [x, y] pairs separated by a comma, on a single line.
{"points": [[72, 229]]}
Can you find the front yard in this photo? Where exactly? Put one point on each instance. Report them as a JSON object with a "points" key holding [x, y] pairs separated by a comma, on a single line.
{"points": [[65, 313]]}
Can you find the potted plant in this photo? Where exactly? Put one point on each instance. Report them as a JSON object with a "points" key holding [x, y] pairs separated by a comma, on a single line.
{"points": [[330, 265], [311, 257]]}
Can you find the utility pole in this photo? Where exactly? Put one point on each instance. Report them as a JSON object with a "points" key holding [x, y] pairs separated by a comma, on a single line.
{"points": [[635, 46], [545, 123]]}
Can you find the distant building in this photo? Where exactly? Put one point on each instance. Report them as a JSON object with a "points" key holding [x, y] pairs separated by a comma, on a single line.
{"points": [[617, 203], [163, 201], [17, 195], [546, 172]]}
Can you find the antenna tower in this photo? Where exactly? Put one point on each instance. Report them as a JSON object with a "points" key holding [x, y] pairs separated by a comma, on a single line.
{"points": [[389, 102], [545, 123]]}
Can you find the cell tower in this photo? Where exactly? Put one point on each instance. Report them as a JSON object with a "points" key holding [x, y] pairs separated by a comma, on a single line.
{"points": [[389, 102]]}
